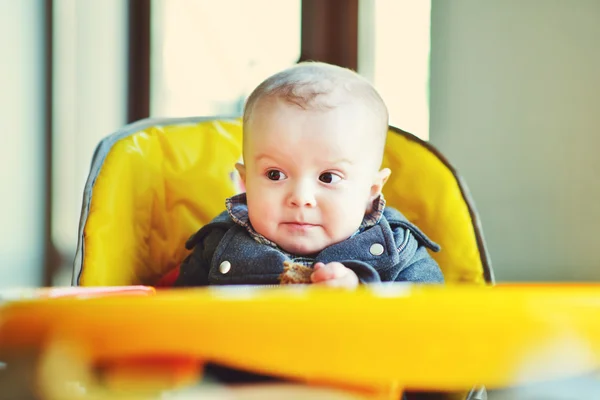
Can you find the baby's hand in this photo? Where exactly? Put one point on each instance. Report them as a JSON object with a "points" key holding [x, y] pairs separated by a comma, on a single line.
{"points": [[334, 274]]}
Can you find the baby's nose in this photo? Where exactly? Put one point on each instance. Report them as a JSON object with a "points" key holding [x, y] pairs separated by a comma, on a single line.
{"points": [[302, 196]]}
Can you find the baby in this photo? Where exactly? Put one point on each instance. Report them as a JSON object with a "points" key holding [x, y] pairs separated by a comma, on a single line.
{"points": [[314, 136]]}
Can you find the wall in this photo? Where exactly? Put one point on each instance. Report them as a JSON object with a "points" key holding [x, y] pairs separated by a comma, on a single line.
{"points": [[515, 95]]}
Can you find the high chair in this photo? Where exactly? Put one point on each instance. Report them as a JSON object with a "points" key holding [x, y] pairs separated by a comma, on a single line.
{"points": [[153, 183]]}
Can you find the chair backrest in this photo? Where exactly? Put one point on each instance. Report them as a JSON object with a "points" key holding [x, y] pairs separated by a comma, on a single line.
{"points": [[155, 182]]}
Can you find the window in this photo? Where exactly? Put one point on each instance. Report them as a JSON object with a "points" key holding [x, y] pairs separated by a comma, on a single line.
{"points": [[89, 103], [208, 55], [394, 44], [22, 149]]}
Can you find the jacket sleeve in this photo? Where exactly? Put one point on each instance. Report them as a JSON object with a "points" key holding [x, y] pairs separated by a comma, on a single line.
{"points": [[365, 272], [420, 268], [194, 270], [416, 263]]}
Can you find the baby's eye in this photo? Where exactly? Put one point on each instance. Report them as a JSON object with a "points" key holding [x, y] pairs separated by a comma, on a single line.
{"points": [[330, 177], [275, 175]]}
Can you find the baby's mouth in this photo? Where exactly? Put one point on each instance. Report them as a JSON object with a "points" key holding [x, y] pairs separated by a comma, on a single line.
{"points": [[300, 226]]}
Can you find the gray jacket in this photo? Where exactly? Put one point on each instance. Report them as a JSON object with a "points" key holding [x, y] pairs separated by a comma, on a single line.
{"points": [[225, 254]]}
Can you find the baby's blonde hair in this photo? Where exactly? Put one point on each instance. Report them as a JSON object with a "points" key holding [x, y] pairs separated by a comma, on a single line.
{"points": [[309, 85]]}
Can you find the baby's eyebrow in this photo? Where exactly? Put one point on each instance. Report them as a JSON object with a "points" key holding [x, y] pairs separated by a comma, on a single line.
{"points": [[337, 161], [341, 161], [261, 157]]}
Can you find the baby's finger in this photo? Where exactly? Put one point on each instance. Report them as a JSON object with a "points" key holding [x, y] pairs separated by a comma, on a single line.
{"points": [[318, 265], [346, 281], [322, 273], [338, 269], [342, 277]]}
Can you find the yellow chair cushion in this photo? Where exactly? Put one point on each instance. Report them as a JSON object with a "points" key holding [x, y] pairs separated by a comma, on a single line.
{"points": [[158, 184], [427, 191]]}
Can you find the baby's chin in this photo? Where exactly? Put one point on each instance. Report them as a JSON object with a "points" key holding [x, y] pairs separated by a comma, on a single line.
{"points": [[306, 249], [302, 250], [306, 246]]}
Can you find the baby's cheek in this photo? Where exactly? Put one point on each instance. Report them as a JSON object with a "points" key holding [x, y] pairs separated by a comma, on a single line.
{"points": [[348, 218], [337, 221], [262, 216]]}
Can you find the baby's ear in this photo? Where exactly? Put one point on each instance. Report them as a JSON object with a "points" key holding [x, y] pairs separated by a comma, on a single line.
{"points": [[381, 178], [241, 169]]}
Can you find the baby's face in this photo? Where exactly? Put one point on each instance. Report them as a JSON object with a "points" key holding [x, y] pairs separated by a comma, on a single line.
{"points": [[310, 175]]}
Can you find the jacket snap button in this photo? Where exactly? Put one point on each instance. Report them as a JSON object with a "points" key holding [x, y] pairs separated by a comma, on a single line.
{"points": [[376, 249], [224, 267]]}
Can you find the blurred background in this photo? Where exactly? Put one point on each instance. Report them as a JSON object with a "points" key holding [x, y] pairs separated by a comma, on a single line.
{"points": [[508, 90]]}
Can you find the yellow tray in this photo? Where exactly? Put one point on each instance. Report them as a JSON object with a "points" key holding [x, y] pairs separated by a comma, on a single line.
{"points": [[422, 337]]}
